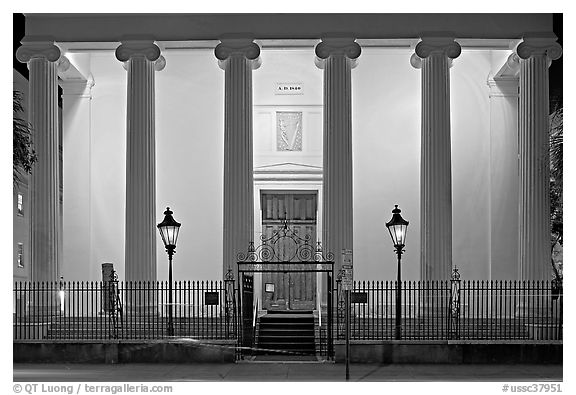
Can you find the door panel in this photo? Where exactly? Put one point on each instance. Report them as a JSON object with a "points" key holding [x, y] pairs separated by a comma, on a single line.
{"points": [[292, 291]]}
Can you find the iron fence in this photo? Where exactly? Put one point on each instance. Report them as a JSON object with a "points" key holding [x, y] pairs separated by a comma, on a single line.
{"points": [[123, 310], [430, 310], [456, 309]]}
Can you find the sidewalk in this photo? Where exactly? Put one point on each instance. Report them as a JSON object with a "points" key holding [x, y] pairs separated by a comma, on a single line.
{"points": [[293, 372]]}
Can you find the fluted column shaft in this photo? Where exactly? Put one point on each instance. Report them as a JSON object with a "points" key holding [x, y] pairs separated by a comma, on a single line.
{"points": [[337, 56], [535, 54], [140, 57], [237, 57], [433, 55], [44, 184], [503, 178]]}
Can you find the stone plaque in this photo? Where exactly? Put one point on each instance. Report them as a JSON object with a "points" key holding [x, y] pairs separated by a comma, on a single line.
{"points": [[289, 131], [289, 88]]}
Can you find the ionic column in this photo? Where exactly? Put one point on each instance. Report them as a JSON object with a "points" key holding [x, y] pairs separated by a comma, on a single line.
{"points": [[237, 57], [41, 55], [503, 178], [337, 56], [433, 55], [536, 53], [142, 58]]}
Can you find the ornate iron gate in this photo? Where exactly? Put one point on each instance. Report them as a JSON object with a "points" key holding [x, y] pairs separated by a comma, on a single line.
{"points": [[272, 257]]}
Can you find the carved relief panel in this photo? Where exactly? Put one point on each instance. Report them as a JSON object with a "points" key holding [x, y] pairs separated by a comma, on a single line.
{"points": [[289, 131]]}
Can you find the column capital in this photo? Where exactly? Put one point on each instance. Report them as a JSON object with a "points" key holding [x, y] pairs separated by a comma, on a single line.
{"points": [[330, 46], [534, 44], [159, 64], [131, 47], [439, 43], [38, 47], [237, 46]]}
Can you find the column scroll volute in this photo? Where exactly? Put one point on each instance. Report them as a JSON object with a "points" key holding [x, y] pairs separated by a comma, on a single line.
{"points": [[442, 44], [38, 47], [344, 45], [534, 44], [238, 46]]}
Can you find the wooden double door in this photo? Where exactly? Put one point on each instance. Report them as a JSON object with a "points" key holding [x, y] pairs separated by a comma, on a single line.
{"points": [[289, 290]]}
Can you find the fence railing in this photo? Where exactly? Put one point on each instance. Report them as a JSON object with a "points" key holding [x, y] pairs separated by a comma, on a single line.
{"points": [[436, 310], [430, 310], [123, 310]]}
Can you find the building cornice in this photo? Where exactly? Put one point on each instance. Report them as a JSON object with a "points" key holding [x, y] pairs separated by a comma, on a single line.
{"points": [[183, 27]]}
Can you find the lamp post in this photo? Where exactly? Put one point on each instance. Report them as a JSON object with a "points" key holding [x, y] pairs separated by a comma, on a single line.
{"points": [[397, 227], [169, 230]]}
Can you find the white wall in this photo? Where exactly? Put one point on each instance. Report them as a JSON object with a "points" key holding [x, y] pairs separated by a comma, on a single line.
{"points": [[386, 127], [189, 119], [386, 152], [108, 164], [286, 66], [189, 168], [470, 105]]}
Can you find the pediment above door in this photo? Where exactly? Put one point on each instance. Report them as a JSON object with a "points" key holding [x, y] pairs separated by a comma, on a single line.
{"points": [[288, 171]]}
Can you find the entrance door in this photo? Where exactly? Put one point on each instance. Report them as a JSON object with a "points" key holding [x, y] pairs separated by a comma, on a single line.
{"points": [[289, 291]]}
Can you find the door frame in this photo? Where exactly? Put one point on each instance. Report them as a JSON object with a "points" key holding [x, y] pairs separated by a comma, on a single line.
{"points": [[281, 232]]}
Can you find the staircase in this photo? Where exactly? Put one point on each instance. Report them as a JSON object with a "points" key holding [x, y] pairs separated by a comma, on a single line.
{"points": [[287, 333]]}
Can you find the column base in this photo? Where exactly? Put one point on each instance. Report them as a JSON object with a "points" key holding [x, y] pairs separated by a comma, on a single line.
{"points": [[36, 321], [544, 331], [436, 306], [145, 310], [536, 310], [541, 319]]}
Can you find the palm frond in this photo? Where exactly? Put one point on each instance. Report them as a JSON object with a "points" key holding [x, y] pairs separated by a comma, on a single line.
{"points": [[24, 155]]}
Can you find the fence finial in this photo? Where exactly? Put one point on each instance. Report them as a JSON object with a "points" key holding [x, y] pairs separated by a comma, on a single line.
{"points": [[455, 274]]}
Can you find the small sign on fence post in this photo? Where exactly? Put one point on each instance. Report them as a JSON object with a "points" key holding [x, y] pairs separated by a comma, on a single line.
{"points": [[347, 270], [211, 298], [347, 286], [359, 297]]}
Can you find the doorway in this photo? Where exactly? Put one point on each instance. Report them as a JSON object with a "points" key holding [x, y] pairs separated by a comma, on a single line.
{"points": [[289, 289]]}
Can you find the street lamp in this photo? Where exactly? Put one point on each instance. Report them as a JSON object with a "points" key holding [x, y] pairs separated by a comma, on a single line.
{"points": [[169, 230], [397, 227]]}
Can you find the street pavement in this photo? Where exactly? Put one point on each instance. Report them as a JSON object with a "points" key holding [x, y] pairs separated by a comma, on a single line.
{"points": [[288, 372]]}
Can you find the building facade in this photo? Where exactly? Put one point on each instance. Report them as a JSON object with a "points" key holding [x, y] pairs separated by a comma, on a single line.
{"points": [[327, 121]]}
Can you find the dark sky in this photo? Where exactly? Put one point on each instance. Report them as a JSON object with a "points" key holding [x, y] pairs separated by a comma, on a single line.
{"points": [[18, 23], [555, 69]]}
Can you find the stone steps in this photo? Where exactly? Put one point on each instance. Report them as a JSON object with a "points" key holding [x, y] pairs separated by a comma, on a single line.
{"points": [[287, 333]]}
